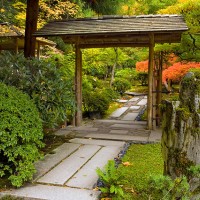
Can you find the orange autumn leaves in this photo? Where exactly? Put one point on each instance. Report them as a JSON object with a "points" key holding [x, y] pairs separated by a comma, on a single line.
{"points": [[174, 72], [178, 70]]}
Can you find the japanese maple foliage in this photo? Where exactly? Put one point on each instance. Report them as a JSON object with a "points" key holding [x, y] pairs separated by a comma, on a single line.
{"points": [[178, 70]]}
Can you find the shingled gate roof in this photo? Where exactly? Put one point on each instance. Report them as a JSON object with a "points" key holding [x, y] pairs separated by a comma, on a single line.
{"points": [[9, 33], [117, 30]]}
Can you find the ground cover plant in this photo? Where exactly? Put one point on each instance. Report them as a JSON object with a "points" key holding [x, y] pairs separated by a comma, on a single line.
{"points": [[139, 163]]}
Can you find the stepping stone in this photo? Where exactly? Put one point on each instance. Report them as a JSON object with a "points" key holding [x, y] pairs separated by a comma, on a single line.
{"points": [[50, 160], [68, 167], [97, 142], [119, 112], [122, 101], [85, 128], [86, 177], [129, 126], [142, 102], [114, 121], [47, 192], [118, 137], [119, 131], [130, 116], [62, 132], [134, 99], [134, 107], [135, 93]]}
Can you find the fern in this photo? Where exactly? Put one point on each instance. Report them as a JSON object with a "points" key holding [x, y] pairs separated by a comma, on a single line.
{"points": [[110, 179]]}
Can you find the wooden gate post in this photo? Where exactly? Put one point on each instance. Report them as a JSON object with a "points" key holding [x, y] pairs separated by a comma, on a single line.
{"points": [[78, 86], [150, 82]]}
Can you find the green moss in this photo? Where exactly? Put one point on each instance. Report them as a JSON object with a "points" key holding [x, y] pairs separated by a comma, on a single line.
{"points": [[181, 162], [185, 114], [145, 160]]}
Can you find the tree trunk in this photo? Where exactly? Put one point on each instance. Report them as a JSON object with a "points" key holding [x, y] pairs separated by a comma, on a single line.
{"points": [[113, 67], [31, 27]]}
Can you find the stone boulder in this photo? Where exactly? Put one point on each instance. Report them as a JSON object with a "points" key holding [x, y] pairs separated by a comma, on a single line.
{"points": [[181, 131]]}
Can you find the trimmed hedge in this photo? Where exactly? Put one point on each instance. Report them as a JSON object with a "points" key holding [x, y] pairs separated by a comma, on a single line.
{"points": [[20, 135]]}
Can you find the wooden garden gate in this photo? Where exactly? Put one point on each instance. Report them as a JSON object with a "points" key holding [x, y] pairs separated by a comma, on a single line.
{"points": [[117, 31]]}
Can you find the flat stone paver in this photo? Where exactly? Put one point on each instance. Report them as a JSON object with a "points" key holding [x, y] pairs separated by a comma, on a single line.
{"points": [[47, 192], [50, 160], [155, 135], [130, 116], [115, 121], [142, 102], [118, 131], [134, 107], [118, 137], [68, 167], [86, 177], [85, 128], [119, 112], [134, 99], [97, 142], [128, 126], [122, 101]]}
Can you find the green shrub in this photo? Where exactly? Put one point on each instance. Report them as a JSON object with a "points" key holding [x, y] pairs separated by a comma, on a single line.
{"points": [[44, 81], [142, 77], [95, 101], [20, 135], [121, 85], [128, 74]]}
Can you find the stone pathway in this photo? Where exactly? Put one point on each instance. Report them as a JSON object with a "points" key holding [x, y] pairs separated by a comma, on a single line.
{"points": [[69, 172]]}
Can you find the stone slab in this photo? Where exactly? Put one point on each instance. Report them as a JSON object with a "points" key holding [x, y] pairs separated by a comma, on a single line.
{"points": [[142, 102], [134, 107], [87, 177], [119, 112], [47, 192], [128, 126], [97, 142], [118, 137], [85, 128], [134, 99], [68, 167], [135, 93], [118, 131], [155, 135], [130, 116], [122, 101], [114, 121], [50, 160], [63, 132]]}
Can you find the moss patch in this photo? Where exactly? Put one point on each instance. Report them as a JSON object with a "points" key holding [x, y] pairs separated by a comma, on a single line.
{"points": [[145, 161]]}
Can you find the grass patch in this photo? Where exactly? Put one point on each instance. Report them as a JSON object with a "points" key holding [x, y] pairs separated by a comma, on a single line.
{"points": [[113, 106], [139, 89], [145, 161]]}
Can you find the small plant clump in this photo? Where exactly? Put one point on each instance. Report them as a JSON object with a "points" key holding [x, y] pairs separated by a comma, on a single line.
{"points": [[110, 180], [20, 135]]}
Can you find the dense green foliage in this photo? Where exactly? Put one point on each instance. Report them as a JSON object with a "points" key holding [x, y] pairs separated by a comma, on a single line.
{"points": [[97, 100], [121, 85], [44, 81], [20, 135]]}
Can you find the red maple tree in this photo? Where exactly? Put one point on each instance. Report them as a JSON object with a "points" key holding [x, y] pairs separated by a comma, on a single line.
{"points": [[176, 72]]}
